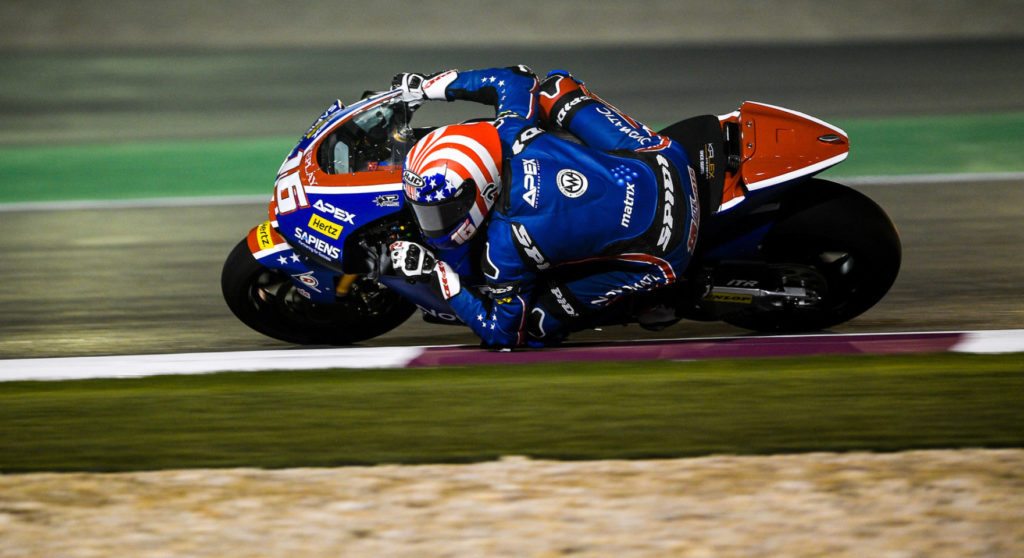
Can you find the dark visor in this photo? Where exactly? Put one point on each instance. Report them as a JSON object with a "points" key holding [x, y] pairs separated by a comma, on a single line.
{"points": [[438, 218]]}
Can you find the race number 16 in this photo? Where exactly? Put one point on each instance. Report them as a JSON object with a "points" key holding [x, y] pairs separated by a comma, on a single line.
{"points": [[290, 195]]}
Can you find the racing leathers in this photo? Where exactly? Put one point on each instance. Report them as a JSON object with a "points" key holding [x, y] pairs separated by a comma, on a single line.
{"points": [[576, 225]]}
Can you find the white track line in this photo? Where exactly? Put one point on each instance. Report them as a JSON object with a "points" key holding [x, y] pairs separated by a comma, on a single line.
{"points": [[990, 342], [134, 366], [899, 180]]}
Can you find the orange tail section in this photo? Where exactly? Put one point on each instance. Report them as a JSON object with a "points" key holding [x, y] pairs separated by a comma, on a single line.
{"points": [[779, 145]]}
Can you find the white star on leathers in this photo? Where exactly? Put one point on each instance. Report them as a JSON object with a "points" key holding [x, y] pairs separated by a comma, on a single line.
{"points": [[281, 260]]}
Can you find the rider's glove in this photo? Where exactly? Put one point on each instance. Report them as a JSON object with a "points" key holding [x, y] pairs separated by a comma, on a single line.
{"points": [[411, 85], [445, 281], [411, 260], [416, 263], [417, 88]]}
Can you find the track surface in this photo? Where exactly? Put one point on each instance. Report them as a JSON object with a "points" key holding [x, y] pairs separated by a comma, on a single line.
{"points": [[92, 282]]}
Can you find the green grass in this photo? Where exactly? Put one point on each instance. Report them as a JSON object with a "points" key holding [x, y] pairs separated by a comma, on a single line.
{"points": [[572, 411], [141, 170], [973, 143], [939, 144]]}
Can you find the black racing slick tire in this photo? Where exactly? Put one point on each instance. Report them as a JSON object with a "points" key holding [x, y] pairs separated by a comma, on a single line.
{"points": [[267, 301], [837, 242]]}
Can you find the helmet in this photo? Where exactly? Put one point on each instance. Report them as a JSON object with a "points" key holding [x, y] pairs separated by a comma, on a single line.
{"points": [[452, 178]]}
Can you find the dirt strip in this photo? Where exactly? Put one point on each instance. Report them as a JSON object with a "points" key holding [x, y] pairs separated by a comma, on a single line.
{"points": [[920, 503]]}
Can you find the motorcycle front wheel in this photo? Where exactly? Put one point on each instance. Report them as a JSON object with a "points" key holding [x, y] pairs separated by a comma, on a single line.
{"points": [[834, 242], [267, 301]]}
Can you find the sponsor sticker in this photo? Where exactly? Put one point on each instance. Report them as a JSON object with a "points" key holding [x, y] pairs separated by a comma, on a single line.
{"points": [[263, 237], [529, 248], [667, 222], [531, 170], [317, 245], [412, 180], [627, 208], [560, 117], [386, 200], [563, 302], [325, 227], [571, 183], [308, 280], [691, 240], [524, 138], [337, 212], [732, 298]]}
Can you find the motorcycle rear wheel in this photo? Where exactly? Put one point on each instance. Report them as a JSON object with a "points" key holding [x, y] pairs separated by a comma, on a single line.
{"points": [[850, 243], [267, 301]]}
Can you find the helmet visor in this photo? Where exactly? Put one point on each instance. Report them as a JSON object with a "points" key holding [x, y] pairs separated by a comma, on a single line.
{"points": [[437, 219]]}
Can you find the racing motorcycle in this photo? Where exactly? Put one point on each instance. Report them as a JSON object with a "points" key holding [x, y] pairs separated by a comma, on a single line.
{"points": [[778, 251]]}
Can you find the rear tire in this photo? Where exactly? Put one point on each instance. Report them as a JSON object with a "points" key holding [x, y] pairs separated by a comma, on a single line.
{"points": [[267, 301], [846, 238]]}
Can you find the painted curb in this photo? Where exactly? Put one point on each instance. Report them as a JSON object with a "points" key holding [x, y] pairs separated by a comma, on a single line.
{"points": [[135, 366]]}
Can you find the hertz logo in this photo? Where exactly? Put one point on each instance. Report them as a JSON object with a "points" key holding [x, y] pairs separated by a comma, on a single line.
{"points": [[325, 227], [263, 237]]}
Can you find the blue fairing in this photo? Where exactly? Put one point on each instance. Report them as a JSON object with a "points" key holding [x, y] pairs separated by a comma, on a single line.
{"points": [[323, 226], [336, 180], [313, 281], [422, 295]]}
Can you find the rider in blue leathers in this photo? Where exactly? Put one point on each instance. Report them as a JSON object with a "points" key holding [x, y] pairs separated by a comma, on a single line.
{"points": [[568, 227]]}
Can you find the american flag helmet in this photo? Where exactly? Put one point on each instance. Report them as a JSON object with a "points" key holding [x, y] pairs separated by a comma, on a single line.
{"points": [[452, 178]]}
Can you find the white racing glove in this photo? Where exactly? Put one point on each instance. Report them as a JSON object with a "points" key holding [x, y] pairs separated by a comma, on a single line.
{"points": [[411, 85], [417, 88], [412, 260], [416, 263]]}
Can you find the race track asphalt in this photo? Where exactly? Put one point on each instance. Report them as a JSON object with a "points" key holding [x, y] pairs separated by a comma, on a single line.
{"points": [[146, 280], [134, 281]]}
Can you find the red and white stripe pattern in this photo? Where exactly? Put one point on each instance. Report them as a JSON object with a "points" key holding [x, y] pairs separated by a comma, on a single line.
{"points": [[457, 153]]}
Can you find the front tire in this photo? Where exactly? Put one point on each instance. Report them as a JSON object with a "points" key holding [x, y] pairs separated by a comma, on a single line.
{"points": [[267, 301], [849, 242]]}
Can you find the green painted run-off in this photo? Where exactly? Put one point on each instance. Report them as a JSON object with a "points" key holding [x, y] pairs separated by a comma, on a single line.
{"points": [[983, 143]]}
